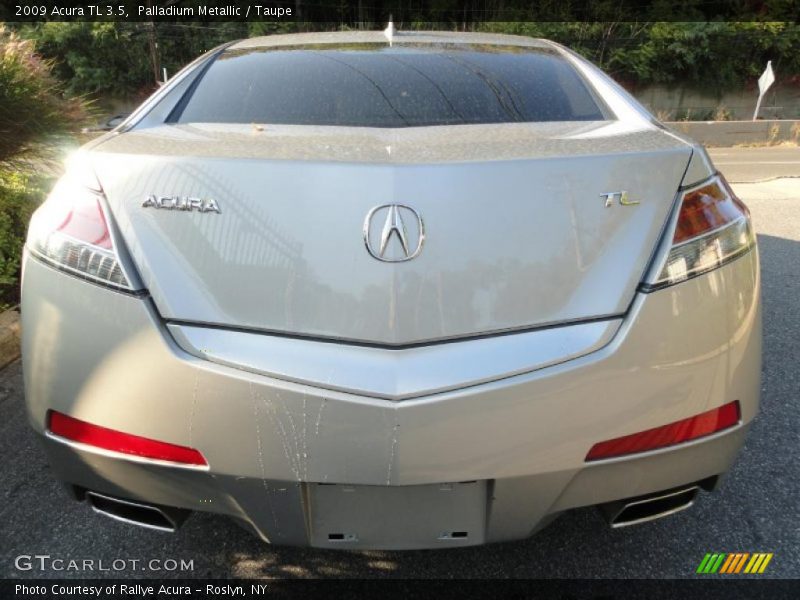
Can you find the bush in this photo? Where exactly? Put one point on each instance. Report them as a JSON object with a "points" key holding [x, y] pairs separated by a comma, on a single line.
{"points": [[33, 113], [33, 107], [112, 59], [104, 58], [20, 194]]}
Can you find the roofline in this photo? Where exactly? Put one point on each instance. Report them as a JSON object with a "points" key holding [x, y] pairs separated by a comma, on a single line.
{"points": [[398, 38]]}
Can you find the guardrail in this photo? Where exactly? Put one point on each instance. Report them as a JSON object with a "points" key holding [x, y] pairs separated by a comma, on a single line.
{"points": [[732, 133]]}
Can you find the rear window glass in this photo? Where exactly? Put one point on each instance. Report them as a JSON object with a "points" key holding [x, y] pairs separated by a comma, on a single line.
{"points": [[378, 86]]}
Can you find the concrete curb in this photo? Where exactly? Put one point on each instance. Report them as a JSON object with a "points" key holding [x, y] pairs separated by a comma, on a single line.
{"points": [[732, 133], [9, 337]]}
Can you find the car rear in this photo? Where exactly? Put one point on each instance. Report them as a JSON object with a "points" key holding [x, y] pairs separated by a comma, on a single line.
{"points": [[362, 294]]}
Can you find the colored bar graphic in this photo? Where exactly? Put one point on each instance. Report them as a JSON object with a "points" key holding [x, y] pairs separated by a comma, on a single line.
{"points": [[712, 558], [764, 564], [718, 564], [740, 564], [703, 563], [732, 563], [754, 564]]}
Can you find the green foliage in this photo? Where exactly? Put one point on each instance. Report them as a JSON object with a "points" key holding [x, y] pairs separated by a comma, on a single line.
{"points": [[114, 59], [33, 113], [33, 108], [711, 55], [102, 57], [20, 194]]}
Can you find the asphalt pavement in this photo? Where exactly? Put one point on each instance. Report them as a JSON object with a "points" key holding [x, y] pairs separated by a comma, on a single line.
{"points": [[746, 164], [756, 510]]}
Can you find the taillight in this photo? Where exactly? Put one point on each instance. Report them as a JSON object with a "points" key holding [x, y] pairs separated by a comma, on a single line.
{"points": [[71, 231], [713, 227], [698, 426], [82, 432]]}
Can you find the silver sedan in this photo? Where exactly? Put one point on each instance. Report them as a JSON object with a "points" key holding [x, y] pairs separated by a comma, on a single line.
{"points": [[391, 290]]}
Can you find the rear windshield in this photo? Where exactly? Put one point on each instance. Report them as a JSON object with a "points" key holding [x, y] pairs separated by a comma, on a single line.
{"points": [[370, 85]]}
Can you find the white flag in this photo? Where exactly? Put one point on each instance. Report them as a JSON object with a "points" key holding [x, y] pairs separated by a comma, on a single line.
{"points": [[767, 79]]}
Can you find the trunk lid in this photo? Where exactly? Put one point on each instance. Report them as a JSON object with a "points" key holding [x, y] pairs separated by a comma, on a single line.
{"points": [[517, 234]]}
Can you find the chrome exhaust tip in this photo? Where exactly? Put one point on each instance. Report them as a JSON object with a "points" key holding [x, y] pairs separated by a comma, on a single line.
{"points": [[150, 516], [634, 511]]}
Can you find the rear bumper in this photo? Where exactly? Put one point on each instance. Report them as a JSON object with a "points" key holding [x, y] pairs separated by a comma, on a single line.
{"points": [[106, 358]]}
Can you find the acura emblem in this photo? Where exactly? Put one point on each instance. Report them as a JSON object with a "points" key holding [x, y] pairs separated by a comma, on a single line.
{"points": [[186, 203], [393, 232]]}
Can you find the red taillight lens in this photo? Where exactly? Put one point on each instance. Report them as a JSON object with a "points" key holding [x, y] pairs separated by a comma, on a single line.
{"points": [[684, 430], [84, 221], [108, 439], [713, 227], [71, 231], [705, 209]]}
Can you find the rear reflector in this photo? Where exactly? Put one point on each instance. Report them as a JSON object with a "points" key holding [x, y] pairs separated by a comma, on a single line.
{"points": [[684, 430], [125, 443]]}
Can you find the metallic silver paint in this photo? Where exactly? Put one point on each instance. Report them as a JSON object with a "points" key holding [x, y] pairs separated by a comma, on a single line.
{"points": [[700, 167], [533, 429], [516, 414], [395, 374], [287, 254]]}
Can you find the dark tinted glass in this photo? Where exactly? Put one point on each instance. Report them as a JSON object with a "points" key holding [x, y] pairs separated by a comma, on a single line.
{"points": [[390, 87]]}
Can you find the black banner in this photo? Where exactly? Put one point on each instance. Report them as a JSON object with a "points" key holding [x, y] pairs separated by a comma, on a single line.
{"points": [[369, 12], [707, 589]]}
